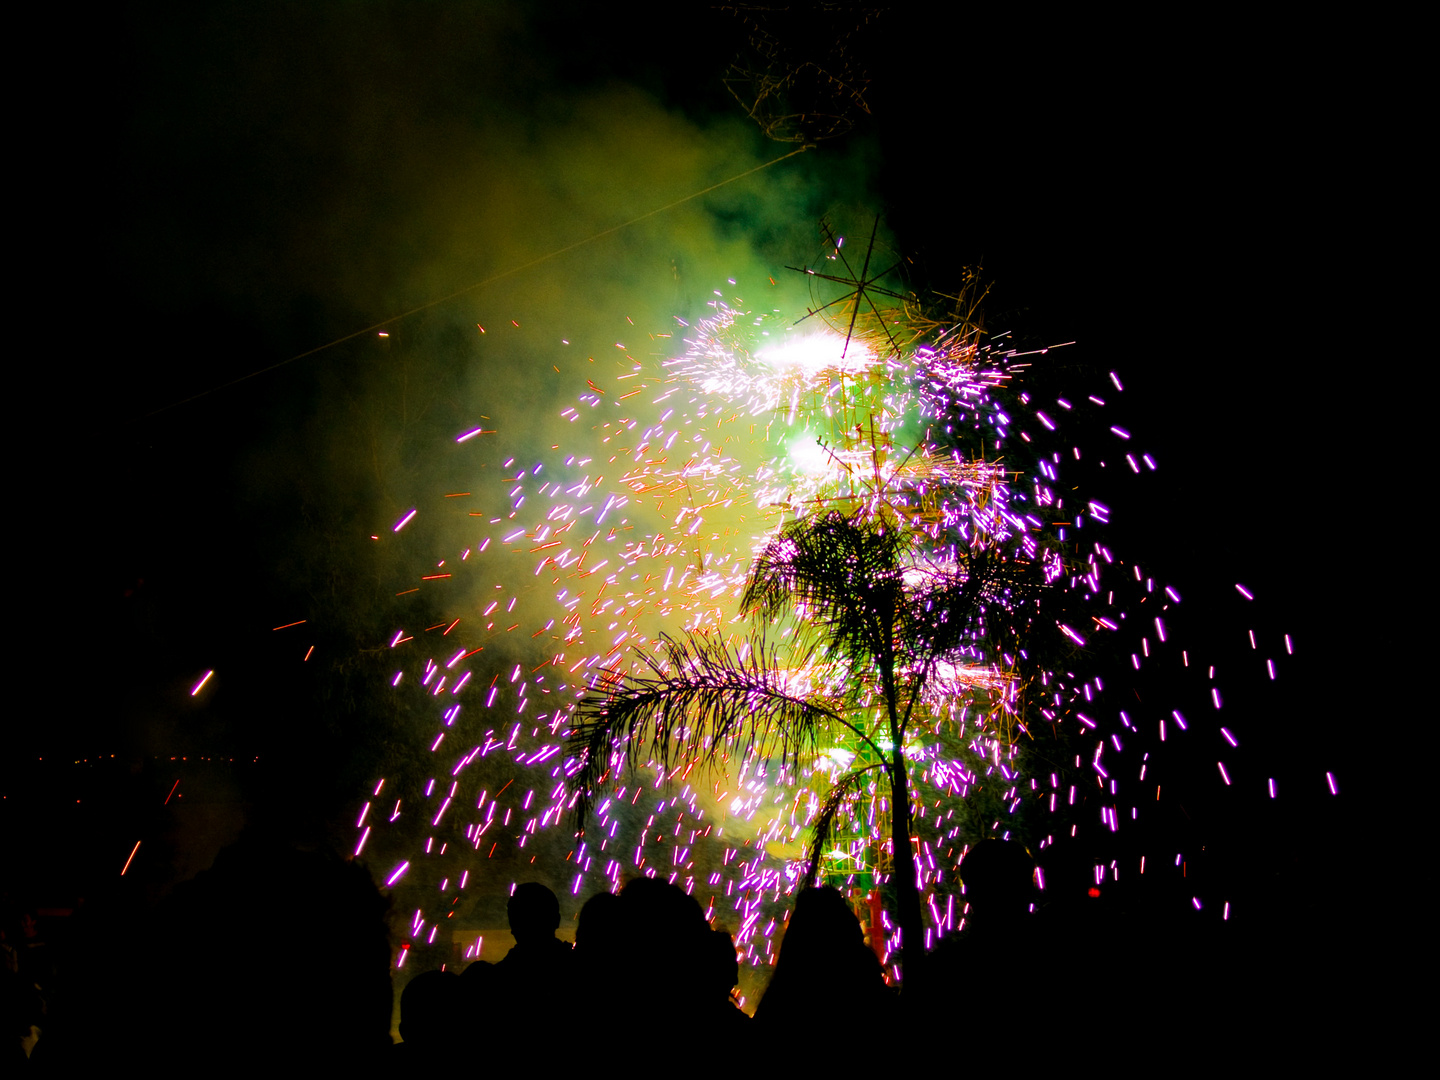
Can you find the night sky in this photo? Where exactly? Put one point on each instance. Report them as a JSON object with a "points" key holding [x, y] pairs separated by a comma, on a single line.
{"points": [[257, 180]]}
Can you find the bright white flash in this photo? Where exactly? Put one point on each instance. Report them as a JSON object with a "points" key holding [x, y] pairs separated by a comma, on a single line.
{"points": [[807, 455], [814, 353]]}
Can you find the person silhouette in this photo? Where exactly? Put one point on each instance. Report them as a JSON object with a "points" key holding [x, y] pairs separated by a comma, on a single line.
{"points": [[722, 973], [824, 970], [998, 935], [539, 965], [664, 975], [999, 883], [430, 1021], [600, 941]]}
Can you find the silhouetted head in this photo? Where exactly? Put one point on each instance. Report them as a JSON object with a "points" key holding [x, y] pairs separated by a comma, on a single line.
{"points": [[665, 934], [823, 966], [999, 880], [429, 1008], [661, 912], [600, 936], [534, 913], [599, 922], [821, 922]]}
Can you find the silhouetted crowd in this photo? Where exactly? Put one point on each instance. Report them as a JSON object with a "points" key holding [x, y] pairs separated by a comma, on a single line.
{"points": [[280, 956]]}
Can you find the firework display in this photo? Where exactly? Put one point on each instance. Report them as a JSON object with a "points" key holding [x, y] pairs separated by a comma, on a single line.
{"points": [[621, 557]]}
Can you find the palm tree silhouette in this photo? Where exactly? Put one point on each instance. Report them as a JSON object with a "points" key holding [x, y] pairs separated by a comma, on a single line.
{"points": [[873, 625]]}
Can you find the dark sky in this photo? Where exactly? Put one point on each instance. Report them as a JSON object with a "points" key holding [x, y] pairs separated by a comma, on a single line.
{"points": [[255, 180]]}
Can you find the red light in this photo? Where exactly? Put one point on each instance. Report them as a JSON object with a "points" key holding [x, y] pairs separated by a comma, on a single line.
{"points": [[1094, 891]]}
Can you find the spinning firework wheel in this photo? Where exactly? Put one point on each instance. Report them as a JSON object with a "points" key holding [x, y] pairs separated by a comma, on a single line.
{"points": [[861, 295]]}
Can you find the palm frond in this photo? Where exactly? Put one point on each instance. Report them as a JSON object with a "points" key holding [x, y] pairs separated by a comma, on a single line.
{"points": [[842, 572], [704, 702], [944, 613], [825, 819]]}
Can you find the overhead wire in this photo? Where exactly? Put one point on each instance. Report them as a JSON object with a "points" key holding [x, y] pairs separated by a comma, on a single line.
{"points": [[477, 285]]}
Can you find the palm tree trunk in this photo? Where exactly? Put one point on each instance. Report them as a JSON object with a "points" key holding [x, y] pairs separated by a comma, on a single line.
{"points": [[907, 894]]}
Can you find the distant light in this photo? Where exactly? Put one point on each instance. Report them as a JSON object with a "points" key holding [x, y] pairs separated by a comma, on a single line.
{"points": [[404, 521], [201, 683]]}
